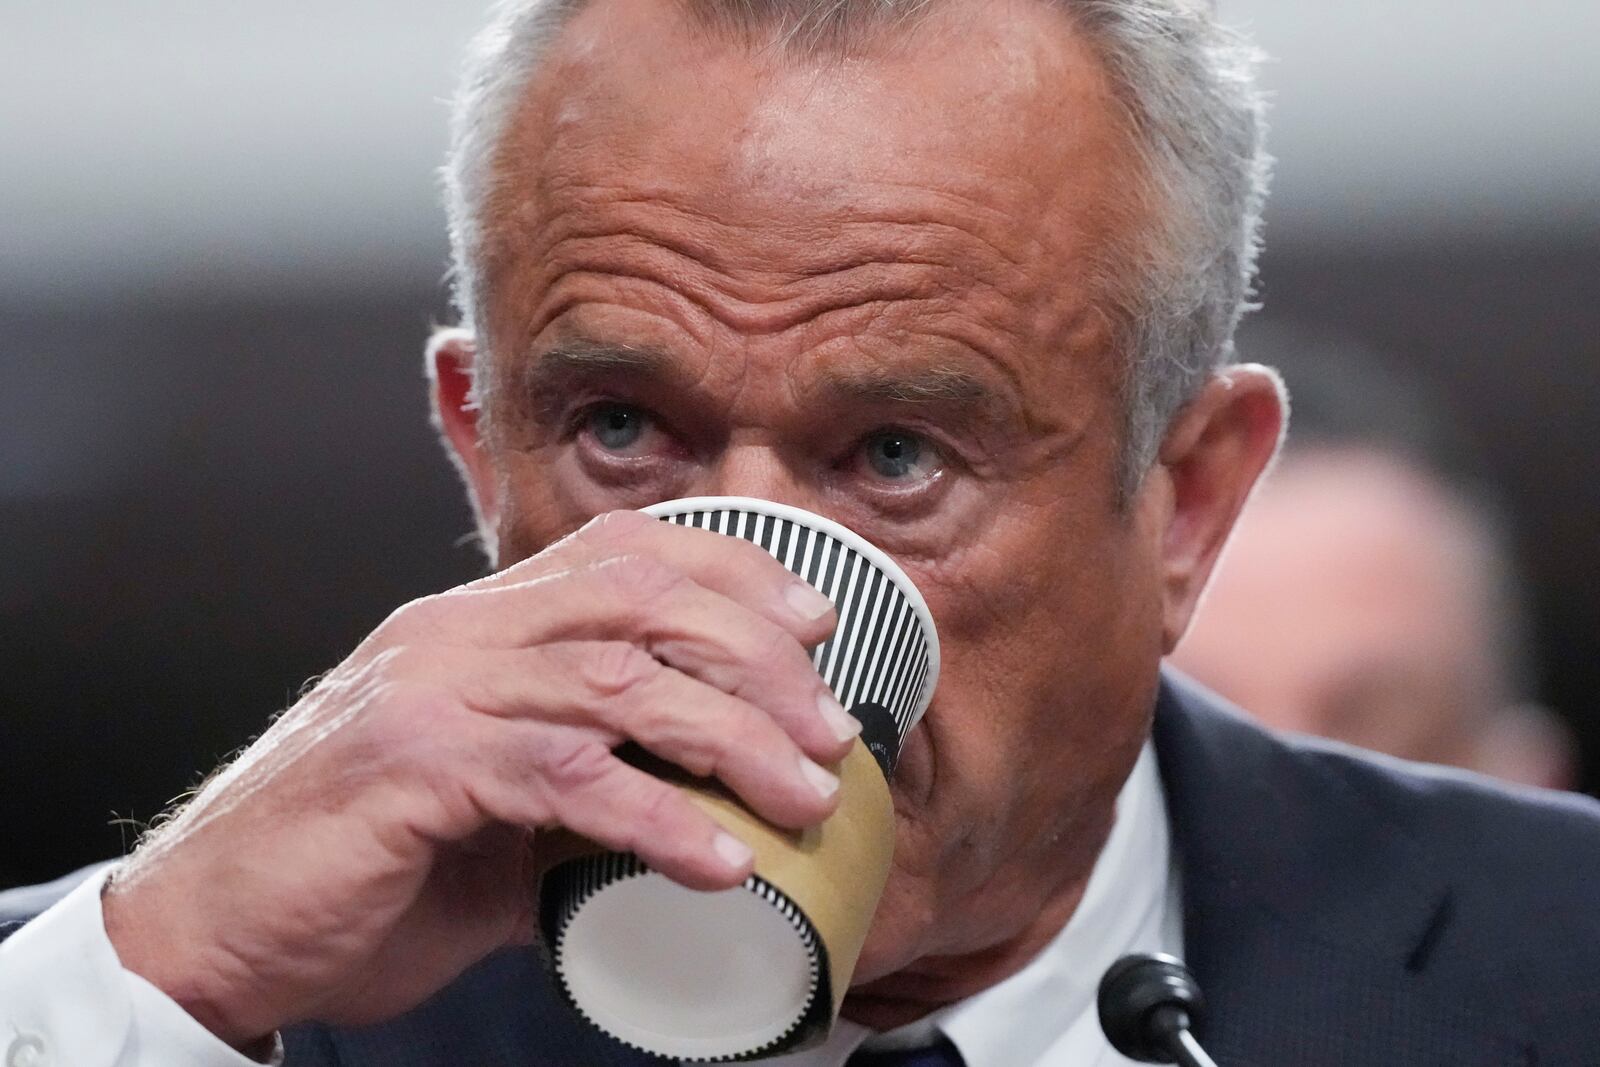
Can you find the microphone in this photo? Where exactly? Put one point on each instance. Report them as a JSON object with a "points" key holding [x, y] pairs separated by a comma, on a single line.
{"points": [[1148, 1003]]}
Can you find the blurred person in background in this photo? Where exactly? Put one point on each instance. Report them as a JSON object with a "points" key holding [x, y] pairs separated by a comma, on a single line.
{"points": [[1369, 593]]}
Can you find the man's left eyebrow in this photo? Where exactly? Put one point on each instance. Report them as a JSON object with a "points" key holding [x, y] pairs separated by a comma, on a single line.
{"points": [[941, 387]]}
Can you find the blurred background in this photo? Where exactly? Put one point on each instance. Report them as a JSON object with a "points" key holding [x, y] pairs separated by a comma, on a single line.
{"points": [[221, 248]]}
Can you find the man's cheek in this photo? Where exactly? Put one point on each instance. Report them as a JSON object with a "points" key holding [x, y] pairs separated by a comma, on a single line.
{"points": [[540, 507], [980, 599]]}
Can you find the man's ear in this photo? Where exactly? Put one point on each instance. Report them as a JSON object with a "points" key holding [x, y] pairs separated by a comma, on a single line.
{"points": [[1213, 454], [451, 366]]}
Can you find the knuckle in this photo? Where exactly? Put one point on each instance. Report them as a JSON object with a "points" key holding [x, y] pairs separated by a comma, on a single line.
{"points": [[400, 622], [575, 764], [611, 668], [415, 618]]}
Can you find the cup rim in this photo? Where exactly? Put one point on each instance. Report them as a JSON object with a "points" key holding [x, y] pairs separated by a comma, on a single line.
{"points": [[875, 555]]}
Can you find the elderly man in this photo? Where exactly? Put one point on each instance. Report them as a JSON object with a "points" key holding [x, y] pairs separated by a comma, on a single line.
{"points": [[963, 276]]}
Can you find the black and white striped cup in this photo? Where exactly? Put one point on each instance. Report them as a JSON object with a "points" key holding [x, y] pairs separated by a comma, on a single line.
{"points": [[761, 968], [883, 658]]}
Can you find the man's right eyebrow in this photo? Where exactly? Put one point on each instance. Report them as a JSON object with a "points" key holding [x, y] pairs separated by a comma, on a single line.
{"points": [[573, 360]]}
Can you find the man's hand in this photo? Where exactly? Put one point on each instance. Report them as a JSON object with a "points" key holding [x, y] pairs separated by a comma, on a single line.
{"points": [[374, 842]]}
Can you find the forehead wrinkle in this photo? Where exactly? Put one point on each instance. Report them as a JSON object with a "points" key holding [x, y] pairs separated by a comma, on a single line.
{"points": [[752, 307], [764, 239], [770, 239], [935, 294]]}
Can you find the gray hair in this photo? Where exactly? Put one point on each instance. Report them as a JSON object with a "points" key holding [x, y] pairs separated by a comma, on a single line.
{"points": [[1186, 86]]}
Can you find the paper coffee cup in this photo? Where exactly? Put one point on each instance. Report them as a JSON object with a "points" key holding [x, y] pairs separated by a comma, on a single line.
{"points": [[762, 968], [882, 661]]}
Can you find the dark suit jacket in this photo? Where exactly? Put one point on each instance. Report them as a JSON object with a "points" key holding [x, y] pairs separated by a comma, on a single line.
{"points": [[1338, 910]]}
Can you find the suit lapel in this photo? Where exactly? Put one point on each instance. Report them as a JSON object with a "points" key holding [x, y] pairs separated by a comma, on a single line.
{"points": [[1309, 914]]}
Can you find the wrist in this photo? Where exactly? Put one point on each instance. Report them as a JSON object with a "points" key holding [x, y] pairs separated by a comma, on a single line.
{"points": [[147, 947]]}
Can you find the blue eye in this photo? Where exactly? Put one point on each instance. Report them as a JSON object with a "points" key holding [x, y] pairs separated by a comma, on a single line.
{"points": [[617, 427], [897, 455]]}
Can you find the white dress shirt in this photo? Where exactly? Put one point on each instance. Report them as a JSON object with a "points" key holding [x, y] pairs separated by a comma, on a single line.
{"points": [[66, 1001]]}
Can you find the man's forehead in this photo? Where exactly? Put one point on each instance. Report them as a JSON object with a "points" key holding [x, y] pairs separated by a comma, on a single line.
{"points": [[953, 187], [970, 98]]}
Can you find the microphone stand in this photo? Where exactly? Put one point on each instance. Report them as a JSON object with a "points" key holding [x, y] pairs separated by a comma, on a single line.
{"points": [[1172, 1023], [1149, 1004]]}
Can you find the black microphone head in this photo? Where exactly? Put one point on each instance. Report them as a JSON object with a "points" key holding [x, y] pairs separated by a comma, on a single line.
{"points": [[1133, 990]]}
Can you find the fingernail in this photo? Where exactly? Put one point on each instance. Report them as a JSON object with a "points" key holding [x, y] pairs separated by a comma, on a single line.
{"points": [[734, 853], [844, 725], [822, 780], [809, 604]]}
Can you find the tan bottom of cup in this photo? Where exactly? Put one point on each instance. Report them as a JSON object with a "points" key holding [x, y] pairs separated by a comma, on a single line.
{"points": [[758, 969]]}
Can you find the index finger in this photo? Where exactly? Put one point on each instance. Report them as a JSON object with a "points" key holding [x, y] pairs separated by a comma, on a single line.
{"points": [[736, 568]]}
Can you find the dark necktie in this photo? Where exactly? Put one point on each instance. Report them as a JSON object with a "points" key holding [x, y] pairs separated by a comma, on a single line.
{"points": [[943, 1054]]}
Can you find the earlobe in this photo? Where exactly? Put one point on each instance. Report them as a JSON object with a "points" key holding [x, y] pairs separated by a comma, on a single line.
{"points": [[1215, 451], [451, 364]]}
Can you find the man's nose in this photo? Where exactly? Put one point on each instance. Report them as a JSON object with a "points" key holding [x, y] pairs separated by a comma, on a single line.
{"points": [[757, 470]]}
